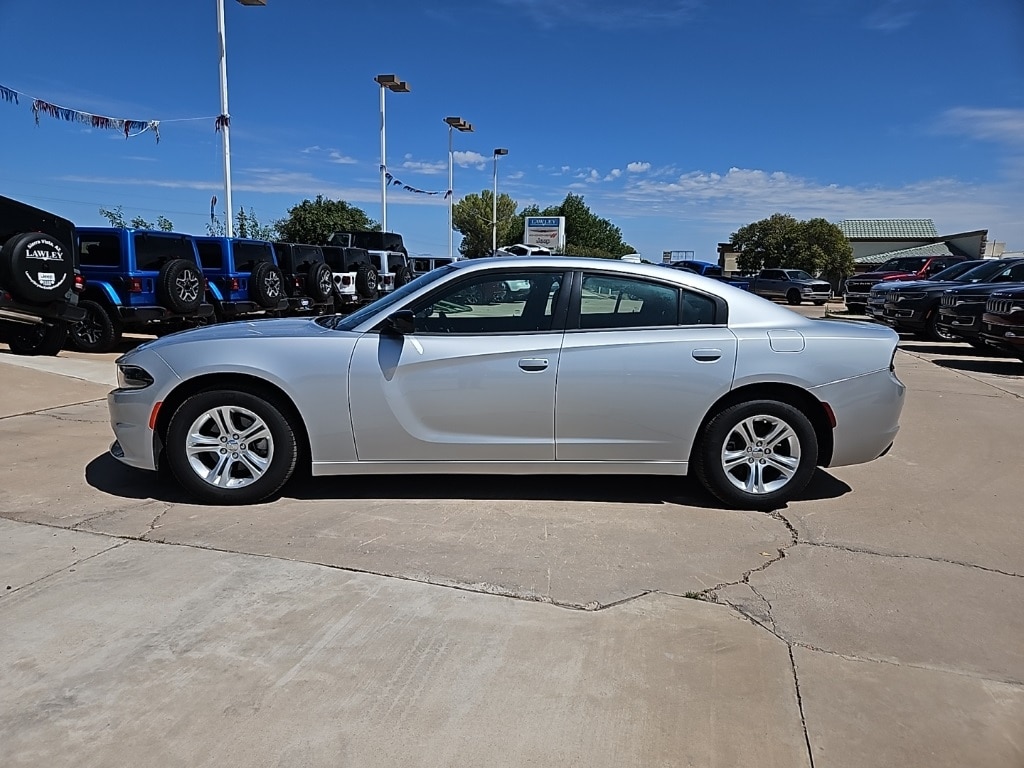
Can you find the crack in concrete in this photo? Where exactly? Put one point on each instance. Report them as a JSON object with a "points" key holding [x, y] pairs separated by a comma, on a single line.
{"points": [[154, 523], [768, 606], [710, 592], [65, 567], [44, 411], [800, 706], [866, 551]]}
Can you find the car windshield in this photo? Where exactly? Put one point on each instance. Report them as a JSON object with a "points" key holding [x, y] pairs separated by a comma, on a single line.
{"points": [[954, 272], [348, 322], [985, 272], [798, 274]]}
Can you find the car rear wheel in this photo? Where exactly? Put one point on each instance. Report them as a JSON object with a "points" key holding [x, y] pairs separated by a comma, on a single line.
{"points": [[37, 339], [231, 447], [757, 455], [98, 332]]}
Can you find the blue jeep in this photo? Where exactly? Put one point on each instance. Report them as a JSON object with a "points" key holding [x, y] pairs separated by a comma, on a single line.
{"points": [[138, 281], [242, 277]]}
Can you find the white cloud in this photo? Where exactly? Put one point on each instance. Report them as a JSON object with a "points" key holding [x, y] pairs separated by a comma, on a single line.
{"points": [[607, 14], [337, 157], [424, 167], [467, 159], [1001, 125], [613, 174], [638, 167], [891, 16], [515, 175]]}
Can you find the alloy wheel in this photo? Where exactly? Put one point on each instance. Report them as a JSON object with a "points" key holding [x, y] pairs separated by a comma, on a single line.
{"points": [[761, 454], [229, 447]]}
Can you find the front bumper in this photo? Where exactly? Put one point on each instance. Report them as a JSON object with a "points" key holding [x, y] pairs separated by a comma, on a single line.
{"points": [[1005, 333], [955, 321]]}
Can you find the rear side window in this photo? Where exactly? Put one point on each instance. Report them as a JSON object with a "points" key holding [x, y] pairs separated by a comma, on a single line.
{"points": [[306, 255], [152, 251], [623, 302], [211, 255], [248, 255], [101, 250]]}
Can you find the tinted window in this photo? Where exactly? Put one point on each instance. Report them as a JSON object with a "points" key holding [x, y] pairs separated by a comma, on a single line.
{"points": [[305, 255], [248, 255], [905, 264], [101, 250], [624, 302], [1014, 274], [483, 304], [152, 251], [799, 274], [335, 257], [211, 254]]}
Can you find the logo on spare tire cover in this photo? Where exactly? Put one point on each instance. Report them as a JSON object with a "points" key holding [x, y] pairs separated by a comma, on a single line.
{"points": [[44, 250]]}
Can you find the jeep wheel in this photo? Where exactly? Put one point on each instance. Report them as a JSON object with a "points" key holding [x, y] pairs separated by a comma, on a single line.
{"points": [[37, 339], [367, 281], [179, 286], [266, 285], [319, 281], [229, 446], [98, 332], [793, 296], [403, 276], [36, 268]]}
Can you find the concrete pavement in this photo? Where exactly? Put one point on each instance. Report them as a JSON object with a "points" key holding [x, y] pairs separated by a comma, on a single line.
{"points": [[467, 621]]}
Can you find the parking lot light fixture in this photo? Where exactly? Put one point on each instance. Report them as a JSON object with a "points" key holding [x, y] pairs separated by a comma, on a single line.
{"points": [[394, 84], [494, 202], [224, 120], [454, 124]]}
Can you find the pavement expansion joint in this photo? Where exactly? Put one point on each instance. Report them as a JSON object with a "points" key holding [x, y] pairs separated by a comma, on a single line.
{"points": [[903, 555], [46, 411], [69, 567]]}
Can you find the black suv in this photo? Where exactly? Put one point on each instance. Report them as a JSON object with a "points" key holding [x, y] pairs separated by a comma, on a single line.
{"points": [[356, 280], [913, 307], [39, 278], [308, 280], [961, 309], [242, 277]]}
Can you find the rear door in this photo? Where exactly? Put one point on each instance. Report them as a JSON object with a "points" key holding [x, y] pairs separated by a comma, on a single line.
{"points": [[641, 363]]}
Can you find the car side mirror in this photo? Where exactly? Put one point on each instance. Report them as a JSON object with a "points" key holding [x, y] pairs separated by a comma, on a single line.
{"points": [[402, 322]]}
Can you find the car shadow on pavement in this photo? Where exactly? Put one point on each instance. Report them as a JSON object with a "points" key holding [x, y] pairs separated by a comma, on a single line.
{"points": [[106, 474], [950, 348], [997, 367]]}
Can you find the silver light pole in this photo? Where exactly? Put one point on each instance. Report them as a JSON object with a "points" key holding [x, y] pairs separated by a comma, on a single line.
{"points": [[387, 83], [224, 121], [454, 123], [494, 201]]}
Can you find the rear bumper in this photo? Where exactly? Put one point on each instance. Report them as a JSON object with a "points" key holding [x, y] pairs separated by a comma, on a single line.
{"points": [[19, 312], [156, 313], [867, 410]]}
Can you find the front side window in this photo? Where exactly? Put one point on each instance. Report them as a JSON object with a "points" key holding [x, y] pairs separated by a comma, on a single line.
{"points": [[522, 302]]}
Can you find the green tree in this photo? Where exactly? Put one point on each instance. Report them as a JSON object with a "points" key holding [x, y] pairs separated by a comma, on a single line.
{"points": [[116, 218], [586, 234], [471, 217], [246, 225], [816, 246], [314, 221]]}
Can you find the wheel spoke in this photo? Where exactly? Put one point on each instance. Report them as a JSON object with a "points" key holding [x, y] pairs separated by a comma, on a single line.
{"points": [[746, 428], [786, 465], [256, 465], [220, 472], [755, 480], [781, 432], [199, 443], [222, 418], [733, 459], [256, 431]]}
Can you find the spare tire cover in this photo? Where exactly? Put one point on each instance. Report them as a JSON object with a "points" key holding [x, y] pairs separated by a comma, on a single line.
{"points": [[36, 268], [180, 286]]}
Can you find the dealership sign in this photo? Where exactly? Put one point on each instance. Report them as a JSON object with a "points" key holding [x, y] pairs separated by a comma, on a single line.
{"points": [[545, 231]]}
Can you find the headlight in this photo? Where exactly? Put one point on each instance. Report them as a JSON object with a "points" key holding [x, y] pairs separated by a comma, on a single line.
{"points": [[132, 377], [807, 289], [910, 296]]}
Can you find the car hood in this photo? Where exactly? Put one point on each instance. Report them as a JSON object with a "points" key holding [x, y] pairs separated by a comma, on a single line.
{"points": [[298, 327], [982, 288]]}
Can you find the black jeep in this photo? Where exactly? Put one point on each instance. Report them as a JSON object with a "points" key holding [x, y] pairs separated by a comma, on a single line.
{"points": [[308, 280], [39, 278]]}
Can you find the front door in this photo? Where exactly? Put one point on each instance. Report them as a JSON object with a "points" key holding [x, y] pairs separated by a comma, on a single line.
{"points": [[475, 382]]}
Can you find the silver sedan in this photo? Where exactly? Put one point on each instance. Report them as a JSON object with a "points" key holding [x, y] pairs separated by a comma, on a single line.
{"points": [[546, 365]]}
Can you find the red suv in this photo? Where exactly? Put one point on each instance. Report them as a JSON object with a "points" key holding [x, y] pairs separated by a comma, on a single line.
{"points": [[900, 268]]}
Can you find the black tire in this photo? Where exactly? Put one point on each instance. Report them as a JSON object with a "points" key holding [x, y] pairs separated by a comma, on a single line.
{"points": [[319, 281], [98, 332], [180, 286], [793, 296], [403, 276], [266, 285], [43, 339], [36, 268], [723, 433], [240, 408], [367, 281], [934, 332], [819, 303], [856, 309]]}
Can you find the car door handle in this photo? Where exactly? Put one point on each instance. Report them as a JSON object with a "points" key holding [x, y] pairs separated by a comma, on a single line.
{"points": [[534, 363], [706, 355]]}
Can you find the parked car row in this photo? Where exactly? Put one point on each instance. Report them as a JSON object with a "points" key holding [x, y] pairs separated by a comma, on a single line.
{"points": [[980, 302], [159, 282]]}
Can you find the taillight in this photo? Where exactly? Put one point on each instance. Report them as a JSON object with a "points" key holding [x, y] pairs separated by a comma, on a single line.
{"points": [[234, 284], [298, 282], [346, 280], [136, 286], [79, 284]]}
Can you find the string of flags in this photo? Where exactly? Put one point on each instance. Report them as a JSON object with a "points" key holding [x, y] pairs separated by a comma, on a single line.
{"points": [[398, 183], [130, 128]]}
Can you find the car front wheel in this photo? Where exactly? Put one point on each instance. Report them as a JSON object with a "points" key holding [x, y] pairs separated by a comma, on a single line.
{"points": [[757, 455], [231, 447]]}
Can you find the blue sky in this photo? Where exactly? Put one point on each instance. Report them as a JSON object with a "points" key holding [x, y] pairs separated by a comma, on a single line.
{"points": [[677, 120]]}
